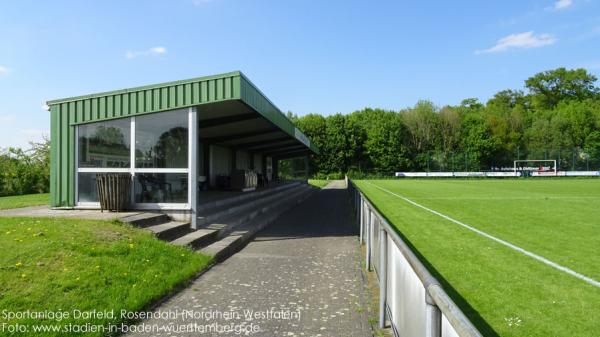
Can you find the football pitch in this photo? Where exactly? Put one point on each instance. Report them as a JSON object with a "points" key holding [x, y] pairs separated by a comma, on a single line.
{"points": [[521, 257]]}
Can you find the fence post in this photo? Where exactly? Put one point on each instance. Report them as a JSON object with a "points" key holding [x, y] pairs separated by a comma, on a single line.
{"points": [[362, 220], [382, 275], [433, 319], [368, 246], [356, 204]]}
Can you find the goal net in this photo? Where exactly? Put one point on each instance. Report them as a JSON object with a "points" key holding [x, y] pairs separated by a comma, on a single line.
{"points": [[536, 167]]}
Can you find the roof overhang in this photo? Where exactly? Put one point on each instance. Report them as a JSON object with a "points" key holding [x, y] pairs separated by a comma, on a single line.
{"points": [[232, 111]]}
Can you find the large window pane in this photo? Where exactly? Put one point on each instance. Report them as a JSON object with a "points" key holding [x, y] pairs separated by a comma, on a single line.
{"points": [[161, 188], [161, 140], [86, 185], [105, 144]]}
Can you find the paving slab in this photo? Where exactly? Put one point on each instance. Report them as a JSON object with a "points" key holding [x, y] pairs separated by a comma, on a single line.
{"points": [[299, 277]]}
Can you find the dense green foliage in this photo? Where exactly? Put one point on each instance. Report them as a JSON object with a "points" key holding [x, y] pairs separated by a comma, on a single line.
{"points": [[505, 292], [25, 172], [558, 117], [58, 264]]}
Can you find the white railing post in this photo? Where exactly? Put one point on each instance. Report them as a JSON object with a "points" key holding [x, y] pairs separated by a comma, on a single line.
{"points": [[382, 275], [433, 319], [368, 246], [356, 204], [362, 219]]}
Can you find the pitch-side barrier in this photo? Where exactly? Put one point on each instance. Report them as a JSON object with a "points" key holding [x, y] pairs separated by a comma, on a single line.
{"points": [[495, 174], [456, 174], [410, 298]]}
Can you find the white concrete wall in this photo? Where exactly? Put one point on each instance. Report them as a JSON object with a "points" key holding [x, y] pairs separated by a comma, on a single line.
{"points": [[242, 160], [220, 162], [258, 162]]}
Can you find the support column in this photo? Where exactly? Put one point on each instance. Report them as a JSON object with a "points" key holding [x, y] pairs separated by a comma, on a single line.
{"points": [[306, 167], [193, 165]]}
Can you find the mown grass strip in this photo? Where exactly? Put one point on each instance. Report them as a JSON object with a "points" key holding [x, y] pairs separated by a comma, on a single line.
{"points": [[71, 264], [18, 201]]}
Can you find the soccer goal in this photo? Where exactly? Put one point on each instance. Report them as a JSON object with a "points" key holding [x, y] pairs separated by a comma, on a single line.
{"points": [[541, 167]]}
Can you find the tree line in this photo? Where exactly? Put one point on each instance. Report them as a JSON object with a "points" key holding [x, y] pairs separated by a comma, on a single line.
{"points": [[556, 117]]}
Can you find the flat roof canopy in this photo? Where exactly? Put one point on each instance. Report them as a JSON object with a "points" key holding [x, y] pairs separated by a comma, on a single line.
{"points": [[231, 111]]}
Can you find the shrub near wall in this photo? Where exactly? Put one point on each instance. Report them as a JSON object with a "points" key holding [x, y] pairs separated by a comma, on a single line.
{"points": [[25, 171]]}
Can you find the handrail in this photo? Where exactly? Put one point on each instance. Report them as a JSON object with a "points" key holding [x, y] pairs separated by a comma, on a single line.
{"points": [[438, 302]]}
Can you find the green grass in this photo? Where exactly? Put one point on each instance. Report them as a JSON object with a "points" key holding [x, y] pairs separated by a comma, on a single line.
{"points": [[320, 183], [555, 218], [73, 264], [18, 201]]}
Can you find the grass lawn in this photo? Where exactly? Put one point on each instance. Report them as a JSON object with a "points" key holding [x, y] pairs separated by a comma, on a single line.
{"points": [[320, 183], [73, 264], [18, 201], [493, 284]]}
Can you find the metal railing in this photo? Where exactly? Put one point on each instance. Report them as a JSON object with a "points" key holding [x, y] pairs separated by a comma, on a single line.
{"points": [[410, 298]]}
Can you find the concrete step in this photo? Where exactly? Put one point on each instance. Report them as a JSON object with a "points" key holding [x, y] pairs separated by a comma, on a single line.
{"points": [[212, 232], [239, 236], [198, 238], [170, 230], [144, 220], [207, 208], [217, 213]]}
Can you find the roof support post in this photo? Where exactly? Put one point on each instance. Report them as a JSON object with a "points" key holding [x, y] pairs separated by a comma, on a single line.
{"points": [[193, 165]]}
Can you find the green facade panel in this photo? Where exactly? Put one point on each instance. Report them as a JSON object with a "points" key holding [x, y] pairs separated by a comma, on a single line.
{"points": [[69, 112]]}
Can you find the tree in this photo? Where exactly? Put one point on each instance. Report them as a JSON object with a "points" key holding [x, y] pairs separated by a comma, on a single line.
{"points": [[384, 147], [421, 123], [314, 127], [449, 128], [550, 87]]}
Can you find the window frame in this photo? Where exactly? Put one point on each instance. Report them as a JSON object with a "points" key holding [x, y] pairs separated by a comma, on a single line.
{"points": [[133, 170]]}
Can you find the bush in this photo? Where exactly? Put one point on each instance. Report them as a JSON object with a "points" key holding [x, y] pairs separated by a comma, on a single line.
{"points": [[25, 171]]}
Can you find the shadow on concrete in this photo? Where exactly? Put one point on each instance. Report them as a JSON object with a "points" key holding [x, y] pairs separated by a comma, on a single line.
{"points": [[326, 213]]}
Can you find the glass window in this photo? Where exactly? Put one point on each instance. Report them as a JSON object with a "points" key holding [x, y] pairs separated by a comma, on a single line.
{"points": [[161, 140], [88, 190], [105, 144], [161, 188]]}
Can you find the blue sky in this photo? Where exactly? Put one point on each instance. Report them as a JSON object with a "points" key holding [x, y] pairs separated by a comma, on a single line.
{"points": [[307, 56]]}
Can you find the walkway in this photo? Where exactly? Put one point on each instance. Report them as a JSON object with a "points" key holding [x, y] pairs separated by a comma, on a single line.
{"points": [[306, 264], [44, 211]]}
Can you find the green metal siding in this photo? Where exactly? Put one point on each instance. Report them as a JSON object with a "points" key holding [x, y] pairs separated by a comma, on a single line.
{"points": [[69, 112]]}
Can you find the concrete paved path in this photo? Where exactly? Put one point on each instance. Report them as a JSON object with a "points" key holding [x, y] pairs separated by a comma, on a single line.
{"points": [[45, 211], [301, 277]]}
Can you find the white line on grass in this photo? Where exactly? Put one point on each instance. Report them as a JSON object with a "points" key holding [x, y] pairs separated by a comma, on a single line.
{"points": [[500, 241]]}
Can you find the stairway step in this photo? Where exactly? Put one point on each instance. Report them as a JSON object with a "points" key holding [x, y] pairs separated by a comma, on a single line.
{"points": [[227, 210], [215, 231], [143, 220], [236, 239], [198, 238], [170, 230], [207, 208]]}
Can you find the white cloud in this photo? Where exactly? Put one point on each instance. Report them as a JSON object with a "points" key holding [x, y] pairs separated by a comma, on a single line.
{"points": [[524, 40], [6, 119], [562, 4], [152, 51], [3, 70]]}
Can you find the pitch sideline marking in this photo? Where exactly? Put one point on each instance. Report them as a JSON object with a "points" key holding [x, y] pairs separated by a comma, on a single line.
{"points": [[500, 241]]}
